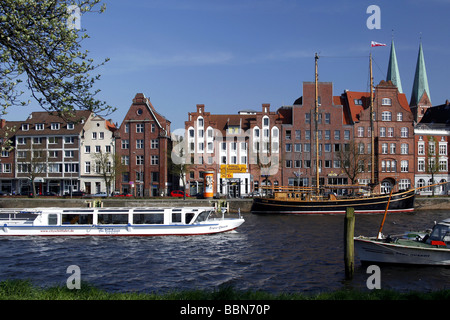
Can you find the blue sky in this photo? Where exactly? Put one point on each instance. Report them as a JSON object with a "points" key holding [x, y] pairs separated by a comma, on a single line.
{"points": [[238, 54]]}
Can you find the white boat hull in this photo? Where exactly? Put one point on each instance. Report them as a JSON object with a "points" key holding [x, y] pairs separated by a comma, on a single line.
{"points": [[123, 230], [371, 250], [135, 222]]}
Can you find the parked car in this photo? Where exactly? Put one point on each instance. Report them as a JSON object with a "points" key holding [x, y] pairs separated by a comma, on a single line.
{"points": [[100, 194], [122, 195], [252, 194], [76, 194], [178, 193]]}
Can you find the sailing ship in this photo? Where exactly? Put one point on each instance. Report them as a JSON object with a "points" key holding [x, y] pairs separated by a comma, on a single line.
{"points": [[316, 200]]}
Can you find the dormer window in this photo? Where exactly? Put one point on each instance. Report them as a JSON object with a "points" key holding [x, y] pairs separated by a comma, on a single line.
{"points": [[70, 126], [25, 127], [55, 126], [39, 126]]}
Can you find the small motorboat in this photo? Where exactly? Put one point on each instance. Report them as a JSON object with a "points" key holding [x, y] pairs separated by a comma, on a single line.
{"points": [[115, 221], [421, 248]]}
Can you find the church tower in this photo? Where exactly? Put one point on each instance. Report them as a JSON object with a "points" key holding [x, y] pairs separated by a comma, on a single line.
{"points": [[393, 73], [420, 96]]}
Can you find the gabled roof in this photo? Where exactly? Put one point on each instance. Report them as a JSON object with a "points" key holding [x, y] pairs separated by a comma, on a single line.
{"points": [[47, 118]]}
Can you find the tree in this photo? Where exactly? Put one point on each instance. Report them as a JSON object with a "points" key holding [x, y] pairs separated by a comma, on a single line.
{"points": [[108, 166], [352, 159], [40, 50], [177, 161], [33, 165], [432, 167]]}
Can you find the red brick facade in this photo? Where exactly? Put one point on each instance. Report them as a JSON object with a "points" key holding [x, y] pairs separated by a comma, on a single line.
{"points": [[142, 146]]}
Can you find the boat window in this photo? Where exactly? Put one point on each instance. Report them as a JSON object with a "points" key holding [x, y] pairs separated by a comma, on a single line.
{"points": [[203, 216], [52, 219], [189, 217], [152, 218], [440, 233], [176, 217], [77, 218], [112, 218]]}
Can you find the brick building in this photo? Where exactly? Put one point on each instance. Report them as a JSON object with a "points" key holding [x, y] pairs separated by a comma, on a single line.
{"points": [[242, 150], [393, 136], [143, 145], [298, 132], [61, 156]]}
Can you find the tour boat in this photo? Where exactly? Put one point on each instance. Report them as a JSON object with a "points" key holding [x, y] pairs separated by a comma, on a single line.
{"points": [[115, 221], [412, 248]]}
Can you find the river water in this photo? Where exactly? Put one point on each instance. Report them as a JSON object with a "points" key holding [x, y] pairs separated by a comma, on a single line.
{"points": [[302, 253]]}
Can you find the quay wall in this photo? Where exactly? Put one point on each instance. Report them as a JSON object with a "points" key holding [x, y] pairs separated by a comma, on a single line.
{"points": [[421, 203]]}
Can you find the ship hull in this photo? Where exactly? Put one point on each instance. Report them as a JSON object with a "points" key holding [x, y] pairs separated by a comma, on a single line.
{"points": [[402, 201]]}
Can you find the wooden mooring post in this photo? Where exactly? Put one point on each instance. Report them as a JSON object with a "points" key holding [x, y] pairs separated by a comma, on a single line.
{"points": [[349, 247]]}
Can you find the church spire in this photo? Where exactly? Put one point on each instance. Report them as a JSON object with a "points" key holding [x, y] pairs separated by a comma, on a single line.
{"points": [[420, 86], [393, 74]]}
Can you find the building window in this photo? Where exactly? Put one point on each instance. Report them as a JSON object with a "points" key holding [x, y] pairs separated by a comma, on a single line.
{"points": [[346, 134], [337, 135], [125, 160], [327, 118], [154, 160], [69, 140], [298, 134], [442, 149], [443, 165], [139, 127], [404, 132], [54, 126], [125, 144], [404, 184], [382, 132], [404, 166], [288, 163], [307, 118], [390, 132], [399, 116], [154, 144], [140, 144], [404, 148], [288, 147], [386, 102], [87, 167], [392, 148], [384, 148], [360, 132], [386, 116], [39, 126], [421, 148], [421, 165]]}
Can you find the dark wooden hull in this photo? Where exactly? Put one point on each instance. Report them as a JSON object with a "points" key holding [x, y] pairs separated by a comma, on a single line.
{"points": [[402, 201]]}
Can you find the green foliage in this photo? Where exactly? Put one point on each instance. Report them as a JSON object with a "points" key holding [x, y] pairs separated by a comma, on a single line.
{"points": [[39, 50], [24, 290]]}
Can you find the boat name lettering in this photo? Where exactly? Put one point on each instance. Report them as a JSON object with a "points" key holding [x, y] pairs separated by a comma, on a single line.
{"points": [[57, 230]]}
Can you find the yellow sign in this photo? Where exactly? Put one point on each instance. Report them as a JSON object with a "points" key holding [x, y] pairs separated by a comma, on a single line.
{"points": [[227, 170]]}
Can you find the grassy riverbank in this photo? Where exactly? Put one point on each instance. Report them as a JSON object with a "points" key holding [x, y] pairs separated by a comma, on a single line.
{"points": [[25, 290]]}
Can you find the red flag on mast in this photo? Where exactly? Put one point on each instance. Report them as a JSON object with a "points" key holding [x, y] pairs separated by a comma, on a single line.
{"points": [[377, 44]]}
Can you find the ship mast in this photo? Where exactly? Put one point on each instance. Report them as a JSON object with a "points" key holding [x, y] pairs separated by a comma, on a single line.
{"points": [[372, 135], [316, 123]]}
